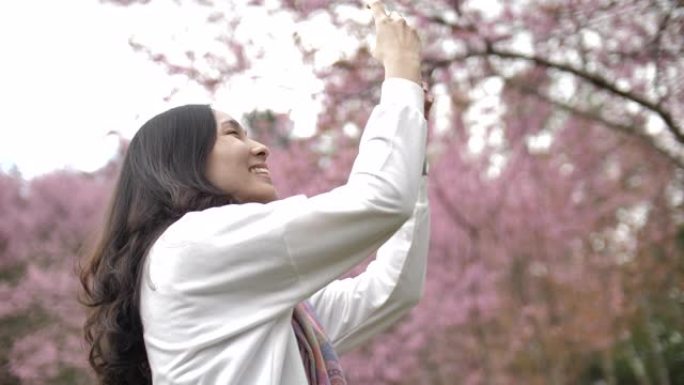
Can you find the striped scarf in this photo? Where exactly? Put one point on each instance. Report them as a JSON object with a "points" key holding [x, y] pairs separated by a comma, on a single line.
{"points": [[320, 360]]}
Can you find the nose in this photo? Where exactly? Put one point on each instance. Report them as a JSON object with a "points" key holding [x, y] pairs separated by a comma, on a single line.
{"points": [[260, 149]]}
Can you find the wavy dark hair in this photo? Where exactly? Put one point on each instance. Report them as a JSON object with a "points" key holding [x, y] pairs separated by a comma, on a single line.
{"points": [[161, 179]]}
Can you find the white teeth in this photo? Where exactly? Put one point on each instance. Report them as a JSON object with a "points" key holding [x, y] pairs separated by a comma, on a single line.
{"points": [[259, 170]]}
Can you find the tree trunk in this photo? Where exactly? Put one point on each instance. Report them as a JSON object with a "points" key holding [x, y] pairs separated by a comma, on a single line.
{"points": [[608, 366], [637, 365], [661, 373]]}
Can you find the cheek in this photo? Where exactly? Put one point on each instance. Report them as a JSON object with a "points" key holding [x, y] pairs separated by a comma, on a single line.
{"points": [[212, 173], [216, 170], [225, 169]]}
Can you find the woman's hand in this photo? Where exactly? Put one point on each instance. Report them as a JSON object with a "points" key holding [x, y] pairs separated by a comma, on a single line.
{"points": [[398, 46]]}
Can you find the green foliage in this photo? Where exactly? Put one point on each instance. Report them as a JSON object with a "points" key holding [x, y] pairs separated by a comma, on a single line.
{"points": [[8, 326], [11, 274], [638, 352], [71, 376], [680, 242], [12, 327]]}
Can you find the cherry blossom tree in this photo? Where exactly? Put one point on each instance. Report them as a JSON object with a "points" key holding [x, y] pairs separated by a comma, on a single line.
{"points": [[45, 224], [557, 171], [557, 253]]}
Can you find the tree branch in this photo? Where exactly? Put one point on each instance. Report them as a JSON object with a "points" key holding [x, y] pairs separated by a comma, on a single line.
{"points": [[657, 52], [591, 78], [453, 212], [595, 80], [626, 129]]}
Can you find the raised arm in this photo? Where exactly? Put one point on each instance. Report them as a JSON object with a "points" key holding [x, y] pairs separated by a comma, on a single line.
{"points": [[284, 251], [265, 258], [355, 309]]}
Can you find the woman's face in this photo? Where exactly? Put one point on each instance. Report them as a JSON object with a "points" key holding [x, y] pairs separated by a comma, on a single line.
{"points": [[237, 164]]}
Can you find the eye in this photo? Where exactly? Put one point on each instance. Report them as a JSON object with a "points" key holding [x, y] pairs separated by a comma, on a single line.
{"points": [[233, 133]]}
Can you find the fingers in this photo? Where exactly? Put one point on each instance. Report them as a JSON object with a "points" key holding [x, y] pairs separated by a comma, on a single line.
{"points": [[395, 16], [380, 12], [378, 9]]}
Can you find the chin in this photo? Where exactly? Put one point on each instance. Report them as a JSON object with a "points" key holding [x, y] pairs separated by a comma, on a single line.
{"points": [[265, 197], [261, 194], [273, 197]]}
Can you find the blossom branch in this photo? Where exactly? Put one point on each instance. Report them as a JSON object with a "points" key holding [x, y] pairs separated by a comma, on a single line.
{"points": [[626, 129]]}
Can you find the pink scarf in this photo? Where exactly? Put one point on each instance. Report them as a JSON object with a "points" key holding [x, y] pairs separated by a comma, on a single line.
{"points": [[320, 360]]}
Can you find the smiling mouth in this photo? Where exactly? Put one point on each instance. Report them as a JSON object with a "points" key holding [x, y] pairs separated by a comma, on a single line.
{"points": [[260, 171]]}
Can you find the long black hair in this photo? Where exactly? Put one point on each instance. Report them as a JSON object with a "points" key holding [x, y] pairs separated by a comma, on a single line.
{"points": [[161, 179]]}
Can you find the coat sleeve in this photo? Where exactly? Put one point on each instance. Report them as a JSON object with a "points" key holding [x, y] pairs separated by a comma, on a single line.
{"points": [[355, 309], [265, 258]]}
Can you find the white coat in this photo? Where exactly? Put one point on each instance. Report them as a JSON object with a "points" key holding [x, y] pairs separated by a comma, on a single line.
{"points": [[219, 285]]}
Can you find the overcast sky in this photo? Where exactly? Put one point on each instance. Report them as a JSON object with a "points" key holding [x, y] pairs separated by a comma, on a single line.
{"points": [[68, 77]]}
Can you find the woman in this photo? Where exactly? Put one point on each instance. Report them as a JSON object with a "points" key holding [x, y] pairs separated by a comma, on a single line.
{"points": [[202, 276]]}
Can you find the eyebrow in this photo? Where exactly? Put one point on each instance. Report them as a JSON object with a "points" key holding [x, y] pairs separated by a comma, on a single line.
{"points": [[233, 124]]}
